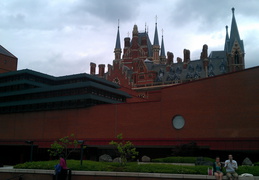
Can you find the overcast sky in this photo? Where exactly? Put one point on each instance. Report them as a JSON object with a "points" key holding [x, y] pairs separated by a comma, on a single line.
{"points": [[62, 37]]}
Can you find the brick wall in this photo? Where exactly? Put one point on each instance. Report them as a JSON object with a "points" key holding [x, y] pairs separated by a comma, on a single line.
{"points": [[7, 63], [215, 109]]}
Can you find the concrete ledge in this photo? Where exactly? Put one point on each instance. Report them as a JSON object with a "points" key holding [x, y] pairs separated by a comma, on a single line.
{"points": [[119, 174]]}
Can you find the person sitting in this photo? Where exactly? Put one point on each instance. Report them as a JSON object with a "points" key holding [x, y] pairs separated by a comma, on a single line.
{"points": [[63, 165], [217, 169], [231, 167]]}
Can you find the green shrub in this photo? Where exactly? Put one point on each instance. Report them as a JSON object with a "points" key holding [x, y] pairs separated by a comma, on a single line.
{"points": [[131, 167], [72, 164], [167, 168], [180, 159], [248, 169], [256, 163]]}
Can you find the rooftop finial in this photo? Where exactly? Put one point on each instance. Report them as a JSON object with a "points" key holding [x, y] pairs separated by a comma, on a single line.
{"points": [[118, 23], [226, 28], [162, 32], [156, 19], [233, 10], [145, 27]]}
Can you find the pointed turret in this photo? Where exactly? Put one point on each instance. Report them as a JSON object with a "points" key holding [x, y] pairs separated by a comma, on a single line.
{"points": [[118, 42], [234, 34], [156, 47], [235, 47], [135, 30], [117, 49], [162, 52], [226, 48], [156, 41]]}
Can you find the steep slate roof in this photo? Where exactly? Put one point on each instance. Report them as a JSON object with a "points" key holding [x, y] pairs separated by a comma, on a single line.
{"points": [[118, 43], [234, 34], [6, 52], [226, 47], [156, 41], [162, 52], [217, 65], [149, 45]]}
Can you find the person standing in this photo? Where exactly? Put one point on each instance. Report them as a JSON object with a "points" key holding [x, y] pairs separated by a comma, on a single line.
{"points": [[217, 169], [231, 167]]}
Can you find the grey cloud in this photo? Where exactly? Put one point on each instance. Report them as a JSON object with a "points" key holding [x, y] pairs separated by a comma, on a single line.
{"points": [[210, 15], [107, 11]]}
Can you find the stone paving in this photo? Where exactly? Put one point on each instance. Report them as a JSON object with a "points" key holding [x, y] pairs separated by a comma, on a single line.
{"points": [[9, 169]]}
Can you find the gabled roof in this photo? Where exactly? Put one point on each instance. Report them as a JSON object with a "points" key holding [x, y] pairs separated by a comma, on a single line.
{"points": [[6, 52]]}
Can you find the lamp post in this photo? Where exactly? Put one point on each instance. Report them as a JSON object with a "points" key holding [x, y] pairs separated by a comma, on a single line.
{"points": [[82, 150], [31, 143]]}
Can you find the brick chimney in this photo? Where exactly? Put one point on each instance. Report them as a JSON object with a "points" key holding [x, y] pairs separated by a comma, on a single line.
{"points": [[109, 69], [179, 60], [186, 58], [92, 68], [126, 42], [101, 70]]}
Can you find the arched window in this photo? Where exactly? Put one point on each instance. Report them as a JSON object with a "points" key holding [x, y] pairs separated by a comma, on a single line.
{"points": [[236, 57]]}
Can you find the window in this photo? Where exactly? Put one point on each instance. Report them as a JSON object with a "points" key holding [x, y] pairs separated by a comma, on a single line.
{"points": [[236, 58], [116, 80], [141, 77], [178, 122]]}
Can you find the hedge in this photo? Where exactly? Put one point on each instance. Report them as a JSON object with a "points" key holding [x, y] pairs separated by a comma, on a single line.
{"points": [[131, 167], [180, 159]]}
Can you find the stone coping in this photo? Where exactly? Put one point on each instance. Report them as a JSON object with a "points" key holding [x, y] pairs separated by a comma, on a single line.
{"points": [[120, 174]]}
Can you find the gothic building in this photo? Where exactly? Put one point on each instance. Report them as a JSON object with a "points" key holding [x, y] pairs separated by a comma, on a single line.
{"points": [[143, 66]]}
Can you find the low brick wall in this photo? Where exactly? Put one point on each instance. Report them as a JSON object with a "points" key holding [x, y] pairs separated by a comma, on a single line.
{"points": [[32, 174]]}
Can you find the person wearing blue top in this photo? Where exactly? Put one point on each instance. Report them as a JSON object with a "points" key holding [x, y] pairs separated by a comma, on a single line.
{"points": [[217, 169], [231, 167]]}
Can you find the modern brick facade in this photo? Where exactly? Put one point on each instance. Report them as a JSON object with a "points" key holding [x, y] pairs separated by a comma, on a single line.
{"points": [[220, 113]]}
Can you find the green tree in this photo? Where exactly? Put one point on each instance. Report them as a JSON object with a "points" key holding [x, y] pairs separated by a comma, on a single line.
{"points": [[126, 150], [65, 145]]}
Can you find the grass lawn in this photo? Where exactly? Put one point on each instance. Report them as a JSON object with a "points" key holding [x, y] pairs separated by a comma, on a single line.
{"points": [[130, 167]]}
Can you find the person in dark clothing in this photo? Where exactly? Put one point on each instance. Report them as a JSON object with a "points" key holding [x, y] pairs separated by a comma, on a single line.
{"points": [[63, 165]]}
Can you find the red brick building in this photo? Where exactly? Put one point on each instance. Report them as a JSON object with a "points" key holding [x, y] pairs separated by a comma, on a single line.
{"points": [[8, 62], [143, 66]]}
